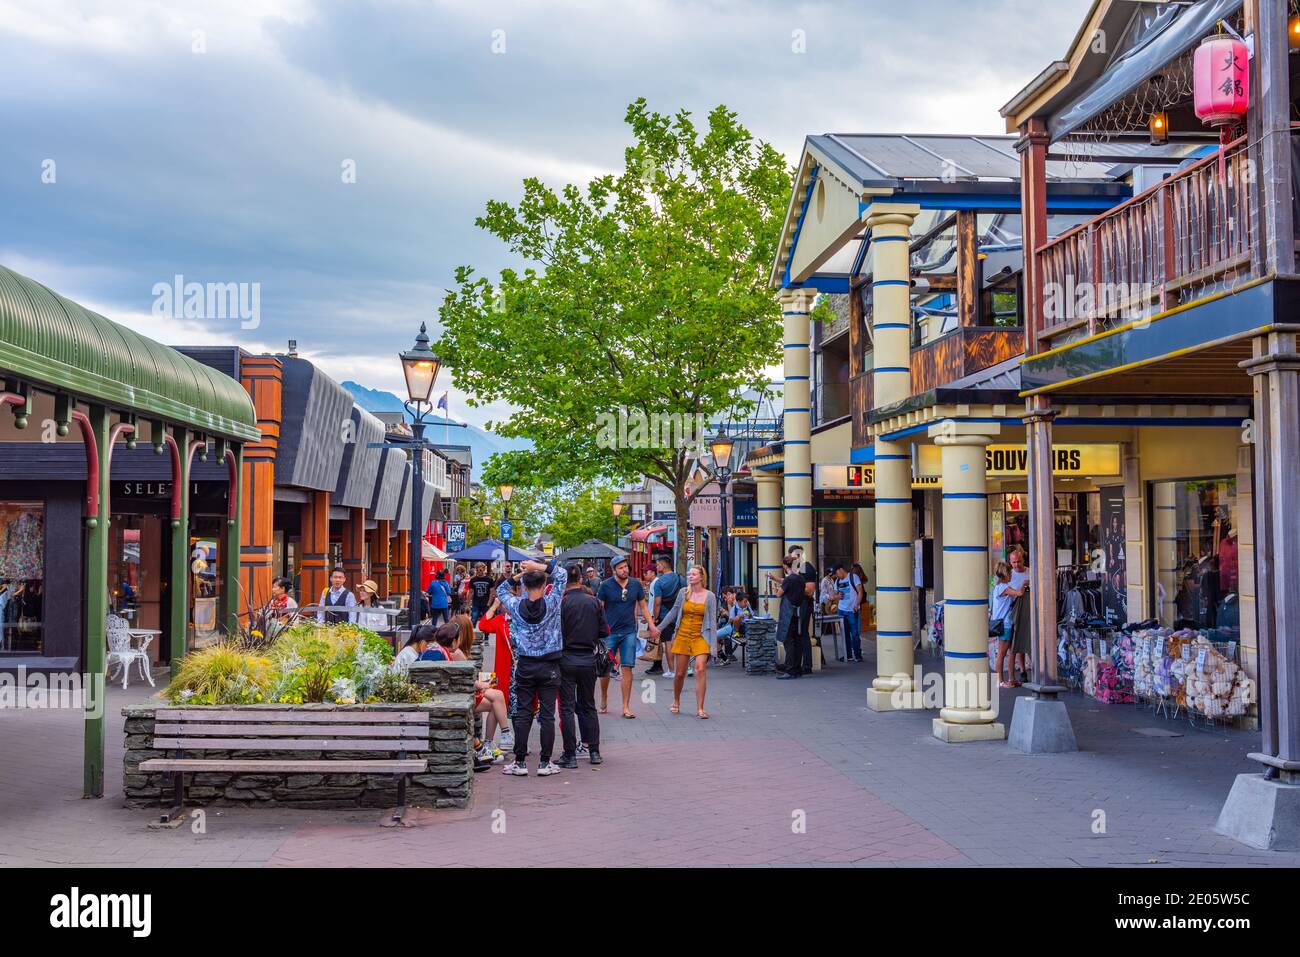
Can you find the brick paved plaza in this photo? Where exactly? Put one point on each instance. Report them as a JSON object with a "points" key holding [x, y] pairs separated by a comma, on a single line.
{"points": [[874, 790]]}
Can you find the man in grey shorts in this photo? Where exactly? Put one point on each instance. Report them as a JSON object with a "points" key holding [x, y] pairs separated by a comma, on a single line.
{"points": [[623, 598]]}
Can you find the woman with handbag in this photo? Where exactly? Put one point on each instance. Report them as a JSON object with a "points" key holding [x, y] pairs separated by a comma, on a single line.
{"points": [[695, 617]]}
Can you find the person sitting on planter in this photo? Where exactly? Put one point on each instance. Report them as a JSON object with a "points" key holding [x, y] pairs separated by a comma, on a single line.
{"points": [[415, 646], [487, 698]]}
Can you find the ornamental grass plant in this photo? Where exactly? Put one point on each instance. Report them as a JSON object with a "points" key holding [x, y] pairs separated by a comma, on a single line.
{"points": [[305, 663]]}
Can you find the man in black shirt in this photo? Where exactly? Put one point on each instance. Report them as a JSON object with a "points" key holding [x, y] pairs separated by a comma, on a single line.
{"points": [[582, 625], [809, 606], [480, 593], [790, 625]]}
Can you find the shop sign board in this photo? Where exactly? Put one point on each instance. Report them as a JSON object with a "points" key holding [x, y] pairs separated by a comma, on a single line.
{"points": [[860, 478], [1003, 461], [455, 537]]}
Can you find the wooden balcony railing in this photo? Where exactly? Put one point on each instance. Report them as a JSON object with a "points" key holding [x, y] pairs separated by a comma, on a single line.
{"points": [[1173, 243]]}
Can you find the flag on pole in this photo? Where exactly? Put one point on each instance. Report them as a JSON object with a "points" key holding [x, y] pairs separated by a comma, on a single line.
{"points": [[442, 403]]}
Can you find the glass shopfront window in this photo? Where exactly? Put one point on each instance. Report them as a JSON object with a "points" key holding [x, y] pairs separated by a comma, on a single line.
{"points": [[22, 577], [1194, 538]]}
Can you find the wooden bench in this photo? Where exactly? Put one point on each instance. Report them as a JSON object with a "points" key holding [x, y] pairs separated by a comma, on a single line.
{"points": [[392, 732]]}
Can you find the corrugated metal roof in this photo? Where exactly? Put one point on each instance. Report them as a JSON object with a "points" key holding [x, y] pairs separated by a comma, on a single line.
{"points": [[55, 344], [889, 159], [314, 410], [360, 468]]}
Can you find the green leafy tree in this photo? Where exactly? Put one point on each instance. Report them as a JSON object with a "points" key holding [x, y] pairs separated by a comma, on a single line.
{"points": [[580, 511], [641, 300], [530, 509]]}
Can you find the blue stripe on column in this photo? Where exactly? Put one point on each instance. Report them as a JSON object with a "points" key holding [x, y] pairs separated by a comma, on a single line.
{"points": [[965, 548], [798, 539], [796, 378], [798, 475], [965, 495], [893, 588], [891, 369], [796, 345], [889, 239], [892, 325], [769, 508], [893, 544], [893, 634], [794, 313], [892, 282], [797, 410], [965, 654], [771, 538], [891, 457], [893, 501], [966, 601], [797, 442]]}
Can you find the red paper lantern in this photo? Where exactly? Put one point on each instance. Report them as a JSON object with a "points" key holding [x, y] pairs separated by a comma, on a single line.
{"points": [[1222, 80]]}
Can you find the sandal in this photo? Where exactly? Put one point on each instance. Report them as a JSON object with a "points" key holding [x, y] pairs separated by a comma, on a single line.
{"points": [[628, 714], [1006, 684], [702, 715], [604, 709], [676, 709]]}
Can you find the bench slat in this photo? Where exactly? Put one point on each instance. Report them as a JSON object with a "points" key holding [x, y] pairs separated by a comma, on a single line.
{"points": [[296, 717], [401, 766], [291, 744], [187, 728]]}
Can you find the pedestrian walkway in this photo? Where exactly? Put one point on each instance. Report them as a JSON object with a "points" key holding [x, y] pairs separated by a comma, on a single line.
{"points": [[795, 773]]}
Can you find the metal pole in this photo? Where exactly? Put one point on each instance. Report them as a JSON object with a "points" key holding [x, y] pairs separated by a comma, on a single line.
{"points": [[724, 542], [417, 512]]}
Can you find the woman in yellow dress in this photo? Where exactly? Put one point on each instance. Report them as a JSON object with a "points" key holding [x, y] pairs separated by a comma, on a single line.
{"points": [[696, 615]]}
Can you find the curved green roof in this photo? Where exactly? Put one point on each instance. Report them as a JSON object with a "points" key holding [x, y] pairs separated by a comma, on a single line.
{"points": [[51, 342]]}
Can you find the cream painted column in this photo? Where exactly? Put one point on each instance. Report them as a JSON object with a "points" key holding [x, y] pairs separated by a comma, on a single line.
{"points": [[894, 687], [768, 490], [970, 712], [795, 306], [891, 292]]}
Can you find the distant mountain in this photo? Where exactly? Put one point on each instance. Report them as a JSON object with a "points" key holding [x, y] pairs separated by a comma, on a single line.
{"points": [[482, 444]]}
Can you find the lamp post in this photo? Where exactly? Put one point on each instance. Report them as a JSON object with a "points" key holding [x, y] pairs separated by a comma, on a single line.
{"points": [[617, 509], [420, 367], [720, 447]]}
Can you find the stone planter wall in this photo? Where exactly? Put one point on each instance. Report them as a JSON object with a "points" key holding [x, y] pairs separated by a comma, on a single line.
{"points": [[445, 677], [448, 782], [760, 646]]}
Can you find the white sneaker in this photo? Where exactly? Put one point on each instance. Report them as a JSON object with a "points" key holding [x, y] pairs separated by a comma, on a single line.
{"points": [[549, 768], [515, 768], [506, 741], [669, 674]]}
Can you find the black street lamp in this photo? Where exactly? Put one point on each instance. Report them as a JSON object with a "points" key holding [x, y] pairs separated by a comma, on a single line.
{"points": [[720, 446], [420, 367], [617, 509]]}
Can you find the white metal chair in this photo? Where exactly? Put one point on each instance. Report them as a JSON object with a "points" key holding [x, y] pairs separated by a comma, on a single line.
{"points": [[123, 650]]}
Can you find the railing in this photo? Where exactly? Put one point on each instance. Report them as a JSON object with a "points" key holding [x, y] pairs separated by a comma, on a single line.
{"points": [[1173, 243]]}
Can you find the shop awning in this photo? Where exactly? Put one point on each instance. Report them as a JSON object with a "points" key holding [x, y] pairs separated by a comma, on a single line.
{"points": [[54, 344]]}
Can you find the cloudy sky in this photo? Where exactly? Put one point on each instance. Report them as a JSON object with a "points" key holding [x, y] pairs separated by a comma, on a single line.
{"points": [[146, 139]]}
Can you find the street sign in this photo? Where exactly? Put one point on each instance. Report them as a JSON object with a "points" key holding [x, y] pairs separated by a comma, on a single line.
{"points": [[455, 537], [507, 531]]}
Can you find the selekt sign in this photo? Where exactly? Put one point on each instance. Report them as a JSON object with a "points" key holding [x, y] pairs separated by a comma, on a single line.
{"points": [[1070, 461], [75, 910]]}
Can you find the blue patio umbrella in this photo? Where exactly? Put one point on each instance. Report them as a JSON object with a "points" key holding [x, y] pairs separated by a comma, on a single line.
{"points": [[488, 550]]}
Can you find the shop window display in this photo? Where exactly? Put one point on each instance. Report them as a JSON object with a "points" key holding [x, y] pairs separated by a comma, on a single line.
{"points": [[22, 576], [1195, 556]]}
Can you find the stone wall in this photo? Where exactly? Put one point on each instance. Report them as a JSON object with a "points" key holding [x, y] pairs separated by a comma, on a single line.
{"points": [[760, 646], [448, 781], [445, 677]]}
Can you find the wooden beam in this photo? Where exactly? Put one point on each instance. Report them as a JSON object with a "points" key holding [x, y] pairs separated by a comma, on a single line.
{"points": [[968, 284]]}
